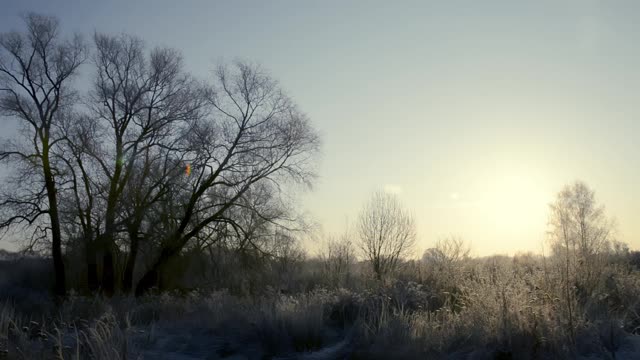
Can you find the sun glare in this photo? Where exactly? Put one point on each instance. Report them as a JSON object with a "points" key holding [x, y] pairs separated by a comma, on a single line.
{"points": [[515, 202]]}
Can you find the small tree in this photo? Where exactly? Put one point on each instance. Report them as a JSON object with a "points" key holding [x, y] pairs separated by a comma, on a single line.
{"points": [[580, 234], [387, 232], [446, 257], [337, 259]]}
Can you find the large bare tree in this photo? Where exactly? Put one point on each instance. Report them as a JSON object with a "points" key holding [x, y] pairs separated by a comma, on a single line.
{"points": [[139, 102], [80, 219], [157, 173], [254, 137], [153, 158], [387, 232], [36, 69]]}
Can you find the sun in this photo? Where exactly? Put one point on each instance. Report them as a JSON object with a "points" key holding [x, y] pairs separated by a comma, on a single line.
{"points": [[517, 202]]}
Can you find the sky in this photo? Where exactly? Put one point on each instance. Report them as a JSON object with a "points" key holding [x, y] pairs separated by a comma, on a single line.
{"points": [[475, 113]]}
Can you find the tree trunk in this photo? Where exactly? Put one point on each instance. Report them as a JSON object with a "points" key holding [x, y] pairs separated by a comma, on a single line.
{"points": [[151, 278], [127, 277], [92, 275], [56, 253], [60, 288], [108, 272], [377, 269], [148, 281], [108, 244], [92, 267]]}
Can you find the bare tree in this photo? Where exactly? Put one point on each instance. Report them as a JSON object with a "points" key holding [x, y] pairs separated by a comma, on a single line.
{"points": [[580, 234], [338, 257], [153, 157], [139, 103], [36, 69], [155, 174], [447, 256], [255, 136], [80, 220], [387, 232], [260, 235]]}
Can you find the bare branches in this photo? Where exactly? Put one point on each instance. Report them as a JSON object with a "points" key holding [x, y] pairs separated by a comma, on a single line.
{"points": [[154, 156], [387, 232], [253, 141], [338, 256], [580, 235], [448, 252], [35, 68], [446, 258], [578, 224]]}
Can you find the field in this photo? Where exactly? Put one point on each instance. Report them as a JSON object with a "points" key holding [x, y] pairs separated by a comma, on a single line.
{"points": [[488, 308]]}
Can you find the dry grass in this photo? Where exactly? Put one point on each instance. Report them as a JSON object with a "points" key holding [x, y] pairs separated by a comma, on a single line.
{"points": [[498, 308]]}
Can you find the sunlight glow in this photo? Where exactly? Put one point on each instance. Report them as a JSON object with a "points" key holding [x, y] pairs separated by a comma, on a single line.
{"points": [[515, 202]]}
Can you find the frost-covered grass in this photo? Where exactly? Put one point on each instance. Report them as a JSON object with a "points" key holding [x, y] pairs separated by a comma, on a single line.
{"points": [[501, 308]]}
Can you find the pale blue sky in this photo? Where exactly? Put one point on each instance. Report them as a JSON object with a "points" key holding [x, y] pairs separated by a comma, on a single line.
{"points": [[475, 112]]}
